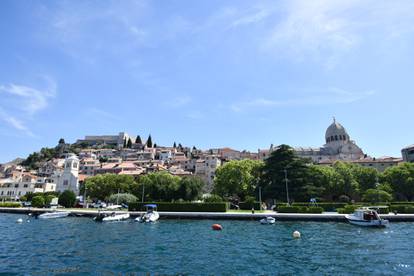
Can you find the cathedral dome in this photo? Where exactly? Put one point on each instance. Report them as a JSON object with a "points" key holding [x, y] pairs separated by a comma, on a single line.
{"points": [[336, 132]]}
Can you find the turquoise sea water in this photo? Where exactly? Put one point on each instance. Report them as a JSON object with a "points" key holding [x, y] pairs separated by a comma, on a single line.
{"points": [[80, 246]]}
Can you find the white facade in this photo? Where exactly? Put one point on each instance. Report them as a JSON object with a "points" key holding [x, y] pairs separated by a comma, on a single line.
{"points": [[69, 180], [206, 170]]}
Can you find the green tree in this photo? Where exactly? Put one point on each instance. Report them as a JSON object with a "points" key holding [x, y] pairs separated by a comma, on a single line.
{"points": [[67, 199], [376, 195], [123, 198], [149, 141], [401, 179], [347, 183], [38, 201], [48, 199], [129, 143], [174, 145], [138, 140], [366, 177], [125, 143], [214, 198], [237, 178], [103, 185], [190, 188], [282, 160], [158, 186]]}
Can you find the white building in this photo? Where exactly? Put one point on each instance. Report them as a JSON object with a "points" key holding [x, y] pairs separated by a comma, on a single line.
{"points": [[338, 146], [69, 180], [13, 189], [206, 170], [408, 153]]}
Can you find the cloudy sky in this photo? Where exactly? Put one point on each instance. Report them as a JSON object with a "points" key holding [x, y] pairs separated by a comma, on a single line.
{"points": [[209, 73]]}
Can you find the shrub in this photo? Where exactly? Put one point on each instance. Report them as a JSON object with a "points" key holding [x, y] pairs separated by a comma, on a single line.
{"points": [[348, 209], [383, 210], [327, 206], [250, 200], [213, 198], [48, 199], [314, 210], [344, 198], [10, 204], [123, 198], [402, 209], [248, 205], [288, 209], [183, 207], [38, 201], [23, 198], [67, 199], [409, 210], [375, 195]]}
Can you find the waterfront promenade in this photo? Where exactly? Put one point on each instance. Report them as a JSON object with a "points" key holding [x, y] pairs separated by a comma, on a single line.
{"points": [[326, 216]]}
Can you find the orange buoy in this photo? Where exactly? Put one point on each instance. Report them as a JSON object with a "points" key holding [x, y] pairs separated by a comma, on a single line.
{"points": [[217, 227]]}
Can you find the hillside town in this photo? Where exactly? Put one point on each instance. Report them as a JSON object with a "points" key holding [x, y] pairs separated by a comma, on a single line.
{"points": [[125, 154]]}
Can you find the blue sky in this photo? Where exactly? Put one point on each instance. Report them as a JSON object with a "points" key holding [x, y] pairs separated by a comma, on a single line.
{"points": [[243, 74]]}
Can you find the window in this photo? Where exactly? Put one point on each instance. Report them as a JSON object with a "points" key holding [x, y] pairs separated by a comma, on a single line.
{"points": [[332, 138], [65, 182], [16, 185], [20, 193], [2, 192], [336, 137], [25, 185]]}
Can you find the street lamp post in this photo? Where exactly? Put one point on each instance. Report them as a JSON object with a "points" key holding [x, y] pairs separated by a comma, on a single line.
{"points": [[84, 197], [143, 190], [287, 188], [260, 197]]}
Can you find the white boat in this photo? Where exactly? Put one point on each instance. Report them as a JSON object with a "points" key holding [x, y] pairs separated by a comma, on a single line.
{"points": [[113, 207], [151, 215], [57, 214], [367, 216], [268, 220], [106, 217]]}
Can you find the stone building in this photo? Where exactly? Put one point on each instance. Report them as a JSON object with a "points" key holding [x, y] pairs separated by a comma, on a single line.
{"points": [[408, 153], [338, 146], [69, 179]]}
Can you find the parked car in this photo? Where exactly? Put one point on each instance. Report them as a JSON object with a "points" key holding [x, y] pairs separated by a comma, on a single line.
{"points": [[99, 205], [26, 204]]}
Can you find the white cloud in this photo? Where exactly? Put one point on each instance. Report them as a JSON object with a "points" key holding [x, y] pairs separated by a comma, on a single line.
{"points": [[21, 102], [15, 123], [178, 102], [331, 96], [99, 113], [326, 30]]}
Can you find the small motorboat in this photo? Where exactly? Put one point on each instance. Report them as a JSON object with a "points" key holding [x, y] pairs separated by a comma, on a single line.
{"points": [[113, 216], [52, 215], [268, 220], [367, 216], [151, 214]]}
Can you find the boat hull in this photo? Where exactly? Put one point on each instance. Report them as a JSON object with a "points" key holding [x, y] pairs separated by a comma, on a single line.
{"points": [[367, 223], [117, 217], [148, 217], [53, 215], [268, 220]]}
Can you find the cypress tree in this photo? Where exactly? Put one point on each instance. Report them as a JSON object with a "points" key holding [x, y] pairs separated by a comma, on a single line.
{"points": [[138, 140], [129, 144], [175, 145], [155, 145], [125, 143], [149, 141]]}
